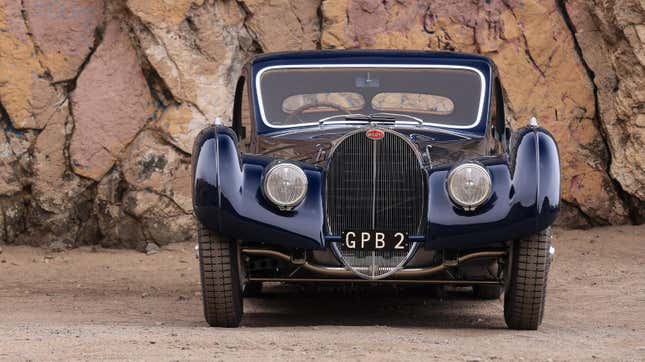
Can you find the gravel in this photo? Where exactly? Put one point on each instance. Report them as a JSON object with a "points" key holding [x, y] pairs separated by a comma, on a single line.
{"points": [[112, 304]]}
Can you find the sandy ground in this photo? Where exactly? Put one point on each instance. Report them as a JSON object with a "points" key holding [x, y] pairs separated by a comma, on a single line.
{"points": [[113, 304]]}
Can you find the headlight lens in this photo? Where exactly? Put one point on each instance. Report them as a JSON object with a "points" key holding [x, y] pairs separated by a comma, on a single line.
{"points": [[285, 185], [469, 185]]}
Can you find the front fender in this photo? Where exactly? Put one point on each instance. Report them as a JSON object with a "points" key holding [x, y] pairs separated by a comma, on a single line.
{"points": [[525, 197], [228, 199]]}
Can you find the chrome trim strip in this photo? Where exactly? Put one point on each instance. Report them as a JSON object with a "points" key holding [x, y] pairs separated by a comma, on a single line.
{"points": [[374, 201], [258, 89], [373, 184]]}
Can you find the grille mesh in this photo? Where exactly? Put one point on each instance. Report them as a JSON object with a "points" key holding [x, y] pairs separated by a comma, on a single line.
{"points": [[374, 184]]}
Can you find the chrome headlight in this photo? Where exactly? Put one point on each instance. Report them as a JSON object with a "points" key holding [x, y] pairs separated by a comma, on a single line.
{"points": [[285, 185], [469, 185]]}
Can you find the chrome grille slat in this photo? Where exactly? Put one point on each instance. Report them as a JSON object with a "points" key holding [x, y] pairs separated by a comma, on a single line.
{"points": [[374, 184]]}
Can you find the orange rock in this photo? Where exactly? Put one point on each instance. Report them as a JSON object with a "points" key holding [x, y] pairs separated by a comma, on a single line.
{"points": [[298, 26], [180, 125], [63, 50], [152, 164], [612, 43], [199, 59], [162, 13], [25, 93], [111, 104], [54, 187]]}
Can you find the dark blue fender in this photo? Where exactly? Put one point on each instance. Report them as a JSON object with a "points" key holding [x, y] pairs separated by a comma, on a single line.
{"points": [[227, 196], [525, 198]]}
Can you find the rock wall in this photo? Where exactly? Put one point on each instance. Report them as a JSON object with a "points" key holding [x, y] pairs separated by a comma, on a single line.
{"points": [[100, 99]]}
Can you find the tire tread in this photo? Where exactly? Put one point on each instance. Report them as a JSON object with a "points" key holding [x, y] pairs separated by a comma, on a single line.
{"points": [[525, 297], [221, 291]]}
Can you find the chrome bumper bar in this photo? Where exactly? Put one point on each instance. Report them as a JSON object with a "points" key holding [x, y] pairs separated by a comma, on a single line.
{"points": [[338, 272]]}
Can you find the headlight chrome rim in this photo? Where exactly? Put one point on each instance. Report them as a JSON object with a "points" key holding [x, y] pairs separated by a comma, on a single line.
{"points": [[278, 203], [483, 199]]}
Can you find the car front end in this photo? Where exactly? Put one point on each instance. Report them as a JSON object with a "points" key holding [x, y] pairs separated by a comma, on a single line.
{"points": [[377, 167]]}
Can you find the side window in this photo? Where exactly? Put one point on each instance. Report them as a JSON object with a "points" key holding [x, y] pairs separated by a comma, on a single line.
{"points": [[500, 117], [493, 110], [241, 113]]}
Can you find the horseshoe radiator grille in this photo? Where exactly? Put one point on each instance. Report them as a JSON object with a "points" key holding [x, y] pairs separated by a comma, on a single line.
{"points": [[374, 185]]}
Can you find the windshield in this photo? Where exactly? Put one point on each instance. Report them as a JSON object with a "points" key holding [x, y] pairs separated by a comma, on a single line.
{"points": [[446, 96]]}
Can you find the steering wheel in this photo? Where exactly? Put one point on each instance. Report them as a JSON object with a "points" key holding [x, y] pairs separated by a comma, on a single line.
{"points": [[292, 117]]}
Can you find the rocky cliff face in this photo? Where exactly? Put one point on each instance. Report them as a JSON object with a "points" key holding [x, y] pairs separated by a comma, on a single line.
{"points": [[100, 99]]}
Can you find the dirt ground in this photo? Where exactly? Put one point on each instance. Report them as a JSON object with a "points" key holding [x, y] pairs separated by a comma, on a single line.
{"points": [[114, 304]]}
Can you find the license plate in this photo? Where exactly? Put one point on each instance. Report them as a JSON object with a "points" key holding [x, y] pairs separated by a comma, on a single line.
{"points": [[374, 240]]}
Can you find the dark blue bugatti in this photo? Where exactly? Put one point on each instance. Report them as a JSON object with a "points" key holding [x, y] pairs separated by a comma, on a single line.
{"points": [[374, 167]]}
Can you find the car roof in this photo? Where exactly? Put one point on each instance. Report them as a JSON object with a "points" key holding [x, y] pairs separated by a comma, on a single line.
{"points": [[354, 55]]}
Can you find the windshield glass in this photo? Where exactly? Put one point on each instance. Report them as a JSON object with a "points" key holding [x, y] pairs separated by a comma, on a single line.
{"points": [[448, 97]]}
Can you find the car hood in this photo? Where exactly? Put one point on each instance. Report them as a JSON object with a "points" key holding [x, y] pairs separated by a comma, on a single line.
{"points": [[312, 145]]}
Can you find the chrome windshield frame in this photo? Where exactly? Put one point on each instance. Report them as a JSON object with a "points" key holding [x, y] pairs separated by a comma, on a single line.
{"points": [[258, 89]]}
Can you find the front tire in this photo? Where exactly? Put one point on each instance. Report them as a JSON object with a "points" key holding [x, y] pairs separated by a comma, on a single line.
{"points": [[526, 291], [221, 287]]}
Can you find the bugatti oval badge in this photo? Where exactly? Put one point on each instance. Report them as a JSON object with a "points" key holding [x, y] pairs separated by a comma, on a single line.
{"points": [[375, 134]]}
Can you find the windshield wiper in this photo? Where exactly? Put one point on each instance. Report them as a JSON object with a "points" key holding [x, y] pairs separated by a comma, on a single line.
{"points": [[374, 117], [345, 117], [394, 116]]}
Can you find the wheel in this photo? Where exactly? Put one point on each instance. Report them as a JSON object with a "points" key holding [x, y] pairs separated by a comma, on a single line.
{"points": [[488, 291], [252, 289], [221, 287], [526, 290]]}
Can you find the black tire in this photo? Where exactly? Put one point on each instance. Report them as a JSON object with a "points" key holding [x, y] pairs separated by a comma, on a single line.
{"points": [[252, 289], [221, 287], [526, 291], [488, 292]]}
